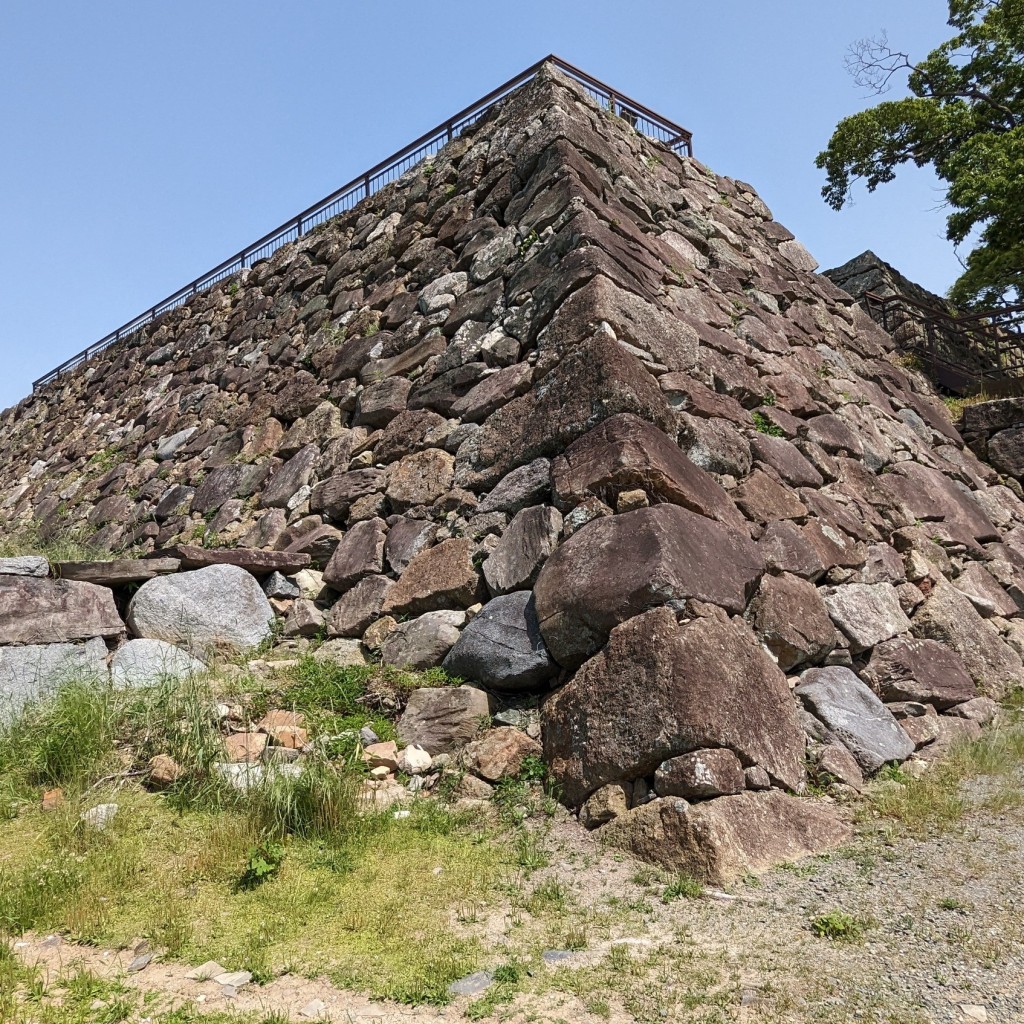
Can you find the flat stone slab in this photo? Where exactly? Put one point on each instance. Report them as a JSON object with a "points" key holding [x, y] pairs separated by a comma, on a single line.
{"points": [[252, 560], [34, 611], [116, 573], [472, 984], [24, 565]]}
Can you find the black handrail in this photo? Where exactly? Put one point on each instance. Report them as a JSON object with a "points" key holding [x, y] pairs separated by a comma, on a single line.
{"points": [[643, 119]]}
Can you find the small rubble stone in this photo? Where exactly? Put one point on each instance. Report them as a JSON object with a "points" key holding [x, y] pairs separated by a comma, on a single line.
{"points": [[164, 771], [607, 803], [700, 775], [500, 753], [245, 746], [423, 642]]}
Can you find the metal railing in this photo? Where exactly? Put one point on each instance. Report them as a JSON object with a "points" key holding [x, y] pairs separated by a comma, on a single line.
{"points": [[979, 353], [641, 118]]}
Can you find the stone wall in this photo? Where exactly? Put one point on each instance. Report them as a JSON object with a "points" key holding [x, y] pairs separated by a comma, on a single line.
{"points": [[570, 414]]}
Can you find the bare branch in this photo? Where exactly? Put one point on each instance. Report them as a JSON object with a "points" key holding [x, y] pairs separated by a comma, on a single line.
{"points": [[872, 63]]}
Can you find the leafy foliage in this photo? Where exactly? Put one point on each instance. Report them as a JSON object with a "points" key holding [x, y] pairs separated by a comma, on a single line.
{"points": [[264, 861], [965, 118]]}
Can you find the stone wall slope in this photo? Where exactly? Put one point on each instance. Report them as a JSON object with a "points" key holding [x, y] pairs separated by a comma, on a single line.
{"points": [[565, 375]]}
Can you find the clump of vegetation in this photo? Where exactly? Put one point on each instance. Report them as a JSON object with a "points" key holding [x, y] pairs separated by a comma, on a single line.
{"points": [[682, 887], [263, 863], [839, 926], [765, 425], [66, 544]]}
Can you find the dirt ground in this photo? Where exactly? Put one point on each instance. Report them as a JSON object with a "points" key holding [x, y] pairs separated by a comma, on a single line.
{"points": [[939, 938]]}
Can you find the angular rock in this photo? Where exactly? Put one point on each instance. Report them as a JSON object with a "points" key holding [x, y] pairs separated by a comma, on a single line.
{"points": [[406, 539], [607, 803], [908, 668], [423, 642], [791, 620], [304, 619], [502, 647], [528, 485], [705, 684], [516, 560], [866, 613], [290, 478], [762, 500], [439, 577], [617, 567], [150, 663], [595, 381], [206, 611], [358, 607], [718, 841], [925, 493], [700, 775], [836, 763], [948, 616], [984, 592], [625, 452], [45, 611], [360, 553], [500, 754], [420, 479], [855, 716], [334, 497], [443, 719]]}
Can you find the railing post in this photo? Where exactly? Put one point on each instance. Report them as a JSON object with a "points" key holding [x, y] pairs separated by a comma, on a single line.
{"points": [[366, 184]]}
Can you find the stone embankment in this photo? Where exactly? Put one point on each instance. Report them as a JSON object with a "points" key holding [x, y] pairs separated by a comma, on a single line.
{"points": [[571, 417]]}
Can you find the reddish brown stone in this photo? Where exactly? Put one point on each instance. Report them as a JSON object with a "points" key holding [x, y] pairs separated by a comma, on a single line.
{"points": [[617, 567], [658, 690], [440, 577]]}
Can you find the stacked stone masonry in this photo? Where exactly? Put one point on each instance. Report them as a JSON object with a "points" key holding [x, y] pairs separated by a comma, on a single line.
{"points": [[571, 416]]}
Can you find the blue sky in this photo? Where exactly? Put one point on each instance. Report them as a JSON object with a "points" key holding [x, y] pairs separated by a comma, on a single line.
{"points": [[144, 142]]}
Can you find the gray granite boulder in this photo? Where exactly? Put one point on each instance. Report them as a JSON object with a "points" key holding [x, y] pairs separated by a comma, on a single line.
{"points": [[855, 716], [219, 608], [33, 670], [502, 647], [151, 662]]}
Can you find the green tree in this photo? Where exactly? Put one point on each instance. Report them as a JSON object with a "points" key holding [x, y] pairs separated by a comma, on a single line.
{"points": [[965, 117]]}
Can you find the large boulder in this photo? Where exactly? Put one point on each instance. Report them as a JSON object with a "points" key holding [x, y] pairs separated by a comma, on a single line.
{"points": [[33, 670], [151, 662], [855, 716], [908, 668], [502, 647], [949, 617], [625, 453], [718, 841], [925, 493], [444, 718], [617, 567], [45, 611], [217, 609], [660, 689]]}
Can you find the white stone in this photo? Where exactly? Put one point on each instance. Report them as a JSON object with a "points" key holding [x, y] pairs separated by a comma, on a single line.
{"points": [[414, 760], [24, 565], [220, 608], [151, 662], [100, 816]]}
